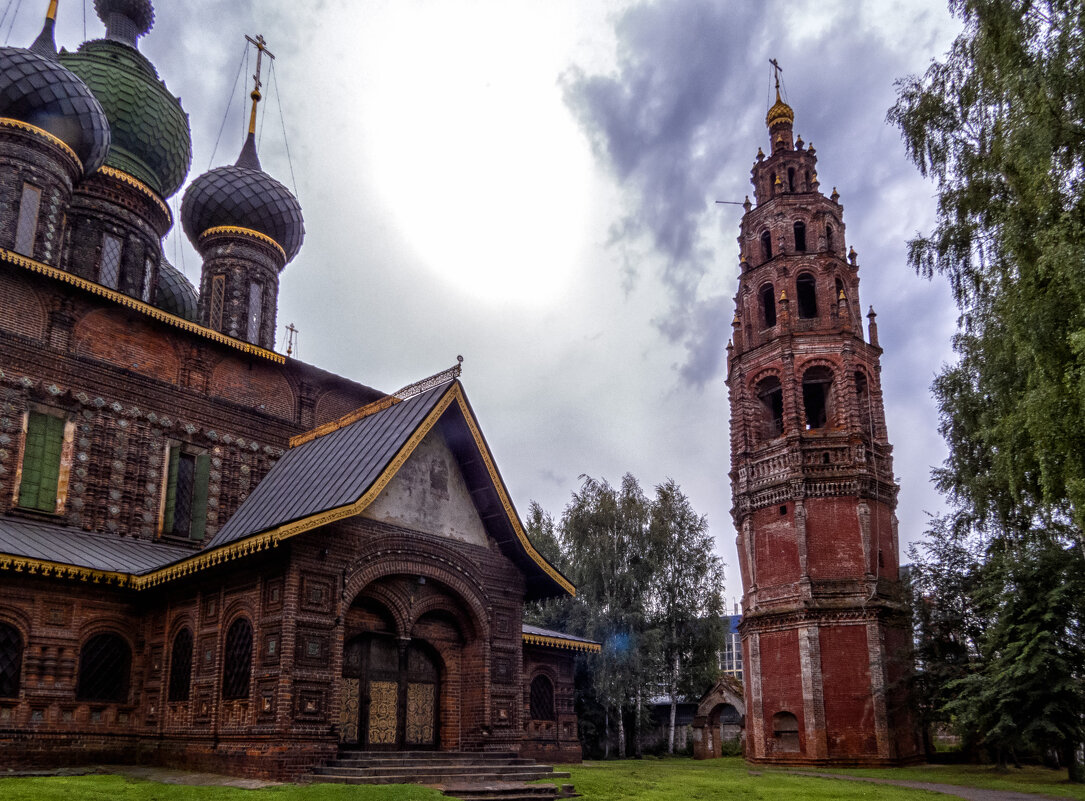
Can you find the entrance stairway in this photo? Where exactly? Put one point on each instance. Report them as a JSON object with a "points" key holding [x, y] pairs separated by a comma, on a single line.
{"points": [[469, 776]]}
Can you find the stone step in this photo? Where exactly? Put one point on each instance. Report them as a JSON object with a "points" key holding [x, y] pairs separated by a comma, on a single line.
{"points": [[360, 762], [332, 775], [501, 791], [419, 755], [433, 767]]}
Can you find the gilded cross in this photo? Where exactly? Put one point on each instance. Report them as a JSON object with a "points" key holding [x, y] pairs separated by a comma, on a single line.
{"points": [[261, 47], [777, 69]]}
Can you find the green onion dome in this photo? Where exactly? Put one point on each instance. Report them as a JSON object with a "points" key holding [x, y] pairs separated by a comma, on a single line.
{"points": [[150, 134], [245, 196], [36, 89], [175, 294]]}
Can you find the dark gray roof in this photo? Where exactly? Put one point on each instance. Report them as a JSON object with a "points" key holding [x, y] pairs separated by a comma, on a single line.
{"points": [[49, 542], [176, 294], [328, 472], [561, 635]]}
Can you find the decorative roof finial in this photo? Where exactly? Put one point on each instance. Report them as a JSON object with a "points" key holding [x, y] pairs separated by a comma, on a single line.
{"points": [[780, 112], [248, 157], [45, 45], [125, 20]]}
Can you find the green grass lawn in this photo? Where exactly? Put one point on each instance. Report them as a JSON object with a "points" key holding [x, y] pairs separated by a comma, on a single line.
{"points": [[672, 779], [120, 788], [1029, 779]]}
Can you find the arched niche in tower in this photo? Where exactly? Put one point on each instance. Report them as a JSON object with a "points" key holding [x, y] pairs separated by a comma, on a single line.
{"points": [[817, 384], [806, 295], [829, 238], [767, 301], [770, 396], [790, 179], [766, 245], [864, 402], [799, 229]]}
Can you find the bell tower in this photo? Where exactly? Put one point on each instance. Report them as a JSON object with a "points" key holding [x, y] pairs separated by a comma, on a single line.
{"points": [[825, 638]]}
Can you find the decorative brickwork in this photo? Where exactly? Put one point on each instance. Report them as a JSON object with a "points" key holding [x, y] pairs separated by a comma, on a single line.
{"points": [[824, 630]]}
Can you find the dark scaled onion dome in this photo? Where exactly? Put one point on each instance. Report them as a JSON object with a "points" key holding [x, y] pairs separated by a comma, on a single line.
{"points": [[151, 137], [244, 196], [36, 89], [176, 294]]}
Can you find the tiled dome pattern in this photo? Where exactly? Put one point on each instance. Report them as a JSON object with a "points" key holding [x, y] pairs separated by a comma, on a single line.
{"points": [[151, 138], [41, 92], [244, 197], [176, 294], [139, 14]]}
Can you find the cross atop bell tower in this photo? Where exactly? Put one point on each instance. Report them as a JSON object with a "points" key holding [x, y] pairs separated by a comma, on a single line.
{"points": [[825, 637]]}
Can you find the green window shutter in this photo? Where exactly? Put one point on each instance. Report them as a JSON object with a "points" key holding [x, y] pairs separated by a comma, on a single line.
{"points": [[41, 462], [199, 497], [171, 490]]}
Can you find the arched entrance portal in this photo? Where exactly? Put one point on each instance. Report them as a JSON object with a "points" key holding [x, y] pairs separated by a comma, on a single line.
{"points": [[394, 686]]}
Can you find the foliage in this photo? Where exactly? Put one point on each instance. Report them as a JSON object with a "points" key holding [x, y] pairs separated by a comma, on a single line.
{"points": [[649, 589], [998, 125]]}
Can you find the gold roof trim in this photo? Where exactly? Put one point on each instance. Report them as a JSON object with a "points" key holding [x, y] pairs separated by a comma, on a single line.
{"points": [[562, 642], [40, 567], [350, 417], [8, 122], [151, 311], [131, 180], [271, 539], [237, 230]]}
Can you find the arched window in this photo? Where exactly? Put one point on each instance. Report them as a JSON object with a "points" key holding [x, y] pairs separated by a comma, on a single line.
{"points": [[766, 246], [542, 699], [829, 238], [104, 665], [806, 293], [237, 666], [181, 666], [817, 385], [800, 237], [790, 179], [768, 306], [11, 660], [785, 732], [862, 399], [771, 396], [772, 183]]}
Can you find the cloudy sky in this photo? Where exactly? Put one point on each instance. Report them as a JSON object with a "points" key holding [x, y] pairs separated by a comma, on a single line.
{"points": [[531, 184]]}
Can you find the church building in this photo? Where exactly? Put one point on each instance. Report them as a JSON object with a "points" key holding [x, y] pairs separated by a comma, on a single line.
{"points": [[213, 555], [826, 637]]}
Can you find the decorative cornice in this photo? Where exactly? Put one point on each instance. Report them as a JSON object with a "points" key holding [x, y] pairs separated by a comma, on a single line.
{"points": [[562, 642], [125, 178], [151, 311], [7, 122], [40, 567], [204, 560], [236, 230]]}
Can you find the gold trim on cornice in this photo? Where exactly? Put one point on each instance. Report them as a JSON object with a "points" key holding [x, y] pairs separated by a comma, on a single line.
{"points": [[562, 642], [40, 567], [270, 539], [131, 180], [7, 122], [237, 230], [352, 417], [151, 311]]}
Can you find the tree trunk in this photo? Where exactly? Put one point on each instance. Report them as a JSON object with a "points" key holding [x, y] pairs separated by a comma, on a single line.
{"points": [[674, 704], [621, 733], [637, 729], [1074, 762], [606, 733]]}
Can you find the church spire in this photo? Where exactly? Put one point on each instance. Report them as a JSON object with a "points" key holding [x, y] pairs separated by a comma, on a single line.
{"points": [[780, 117], [45, 45], [248, 157]]}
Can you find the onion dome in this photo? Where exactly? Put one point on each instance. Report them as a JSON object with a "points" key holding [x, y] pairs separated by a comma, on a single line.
{"points": [[151, 138], [176, 294], [780, 112], [36, 89], [243, 196]]}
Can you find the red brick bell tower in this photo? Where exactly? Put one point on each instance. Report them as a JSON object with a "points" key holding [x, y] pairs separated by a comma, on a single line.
{"points": [[825, 641]]}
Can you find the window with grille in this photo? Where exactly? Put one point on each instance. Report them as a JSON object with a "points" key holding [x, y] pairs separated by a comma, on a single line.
{"points": [[238, 660], [109, 263], [26, 228], [185, 513], [41, 462], [256, 310], [542, 699], [11, 660], [181, 666], [104, 664], [218, 295]]}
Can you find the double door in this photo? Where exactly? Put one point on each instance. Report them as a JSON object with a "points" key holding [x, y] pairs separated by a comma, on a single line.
{"points": [[391, 694]]}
